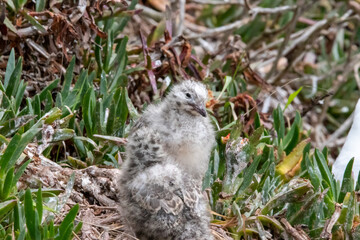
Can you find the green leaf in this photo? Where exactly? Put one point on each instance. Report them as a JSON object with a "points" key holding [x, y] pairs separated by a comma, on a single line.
{"points": [[9, 152], [51, 116], [68, 78], [40, 5], [122, 60], [156, 33], [48, 88], [76, 163], [279, 123], [294, 192], [33, 21], [89, 103], [8, 184], [249, 173], [12, 126], [49, 103], [108, 51], [314, 178], [121, 114], [325, 173], [18, 4], [6, 206], [18, 220], [78, 227], [37, 106], [18, 144], [292, 97], [103, 84], [291, 161], [347, 183], [63, 135], [292, 137], [98, 57], [69, 219], [14, 79], [20, 172], [9, 24], [9, 68], [305, 208], [124, 20], [31, 216], [67, 234], [228, 80], [257, 122], [19, 95], [39, 204]]}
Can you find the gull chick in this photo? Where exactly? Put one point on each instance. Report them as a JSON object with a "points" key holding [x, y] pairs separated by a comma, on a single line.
{"points": [[182, 128], [167, 156]]}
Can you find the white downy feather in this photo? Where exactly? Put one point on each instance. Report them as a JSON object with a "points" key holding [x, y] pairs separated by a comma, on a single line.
{"points": [[350, 149]]}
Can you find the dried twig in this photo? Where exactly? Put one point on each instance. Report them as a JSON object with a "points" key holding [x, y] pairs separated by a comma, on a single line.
{"points": [[151, 13], [297, 235], [219, 30], [221, 2], [326, 233], [299, 10], [281, 9], [299, 44], [340, 131], [181, 17]]}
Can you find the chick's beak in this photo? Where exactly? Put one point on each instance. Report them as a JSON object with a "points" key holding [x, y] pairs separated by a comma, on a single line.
{"points": [[200, 109]]}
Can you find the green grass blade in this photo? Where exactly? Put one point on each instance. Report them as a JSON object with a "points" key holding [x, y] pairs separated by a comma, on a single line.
{"points": [[250, 171], [89, 103], [347, 183], [292, 97], [325, 172], [8, 184], [69, 219], [7, 206], [14, 79], [39, 204], [40, 5], [20, 172], [30, 217], [68, 78], [9, 68]]}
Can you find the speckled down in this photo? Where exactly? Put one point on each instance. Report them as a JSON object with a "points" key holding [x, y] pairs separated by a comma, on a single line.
{"points": [[163, 203], [167, 156]]}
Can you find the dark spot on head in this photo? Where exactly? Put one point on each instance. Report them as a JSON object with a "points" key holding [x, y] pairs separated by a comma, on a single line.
{"points": [[146, 147], [139, 155], [133, 164], [140, 145], [178, 103], [155, 149], [150, 163], [132, 147], [152, 141]]}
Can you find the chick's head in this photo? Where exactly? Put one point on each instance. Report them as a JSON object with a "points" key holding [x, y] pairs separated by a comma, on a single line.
{"points": [[190, 97]]}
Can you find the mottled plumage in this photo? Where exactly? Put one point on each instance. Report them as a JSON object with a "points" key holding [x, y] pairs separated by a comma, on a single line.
{"points": [[162, 202], [167, 156]]}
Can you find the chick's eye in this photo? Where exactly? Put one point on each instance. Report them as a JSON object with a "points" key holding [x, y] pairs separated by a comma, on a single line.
{"points": [[188, 95]]}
